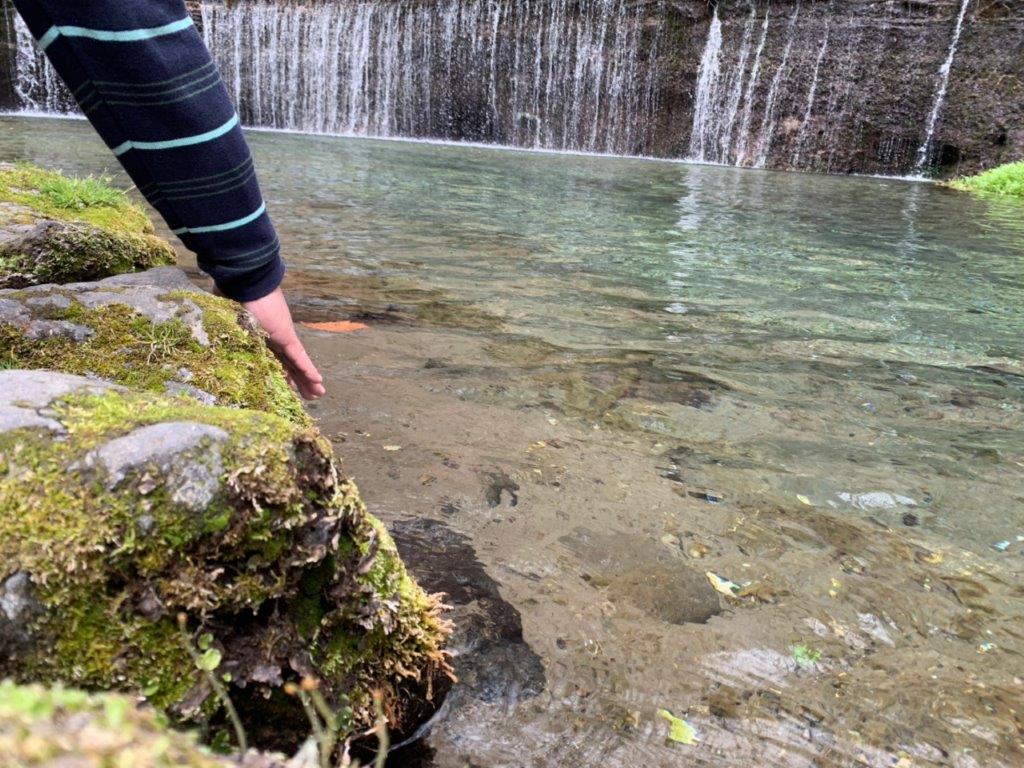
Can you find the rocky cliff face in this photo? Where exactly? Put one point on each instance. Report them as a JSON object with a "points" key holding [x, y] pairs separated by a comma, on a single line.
{"points": [[875, 86]]}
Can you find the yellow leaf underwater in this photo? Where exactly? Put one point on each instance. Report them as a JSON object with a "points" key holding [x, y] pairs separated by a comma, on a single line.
{"points": [[678, 729]]}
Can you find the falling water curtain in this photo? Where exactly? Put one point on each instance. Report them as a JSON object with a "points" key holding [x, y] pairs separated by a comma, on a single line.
{"points": [[141, 74]]}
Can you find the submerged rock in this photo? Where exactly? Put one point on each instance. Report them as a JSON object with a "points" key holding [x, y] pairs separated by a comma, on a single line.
{"points": [[637, 572], [152, 330], [57, 229]]}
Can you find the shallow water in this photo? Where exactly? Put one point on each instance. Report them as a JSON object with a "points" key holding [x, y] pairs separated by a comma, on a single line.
{"points": [[609, 376]]}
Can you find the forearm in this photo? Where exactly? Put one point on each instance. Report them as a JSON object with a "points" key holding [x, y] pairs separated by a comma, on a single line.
{"points": [[143, 77]]}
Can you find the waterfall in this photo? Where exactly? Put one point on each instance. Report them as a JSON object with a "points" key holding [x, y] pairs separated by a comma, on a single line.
{"points": [[36, 84], [704, 98], [940, 93], [811, 94], [768, 118], [743, 142], [553, 74]]}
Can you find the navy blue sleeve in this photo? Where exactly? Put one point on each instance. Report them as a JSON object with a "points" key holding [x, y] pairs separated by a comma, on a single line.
{"points": [[142, 75]]}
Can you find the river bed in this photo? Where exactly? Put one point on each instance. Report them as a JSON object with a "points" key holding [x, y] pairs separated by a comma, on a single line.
{"points": [[587, 382]]}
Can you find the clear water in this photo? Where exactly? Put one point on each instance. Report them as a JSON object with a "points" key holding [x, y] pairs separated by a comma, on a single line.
{"points": [[836, 361]]}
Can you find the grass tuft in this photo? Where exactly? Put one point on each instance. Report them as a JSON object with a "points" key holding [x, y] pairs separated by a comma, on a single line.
{"points": [[70, 193], [1005, 180]]}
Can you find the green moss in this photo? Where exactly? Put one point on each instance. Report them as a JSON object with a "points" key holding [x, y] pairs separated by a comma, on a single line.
{"points": [[91, 200], [94, 231], [1005, 180], [283, 537], [66, 726], [236, 367]]}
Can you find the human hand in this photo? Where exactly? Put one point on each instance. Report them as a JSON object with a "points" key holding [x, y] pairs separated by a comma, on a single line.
{"points": [[272, 313]]}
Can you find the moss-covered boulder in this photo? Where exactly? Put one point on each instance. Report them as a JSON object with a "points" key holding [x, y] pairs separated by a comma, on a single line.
{"points": [[68, 728], [120, 509], [55, 229], [152, 330]]}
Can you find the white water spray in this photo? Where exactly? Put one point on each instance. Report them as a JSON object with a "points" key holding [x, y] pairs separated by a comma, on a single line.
{"points": [[707, 87], [940, 94], [811, 94], [768, 118]]}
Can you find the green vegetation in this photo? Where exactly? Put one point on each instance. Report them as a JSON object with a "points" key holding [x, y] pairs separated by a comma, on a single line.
{"points": [[126, 347], [64, 230], [79, 194], [282, 536], [184, 536], [64, 726], [92, 200], [1005, 180]]}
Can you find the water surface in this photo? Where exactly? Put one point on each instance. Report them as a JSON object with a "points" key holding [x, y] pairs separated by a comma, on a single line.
{"points": [[610, 376]]}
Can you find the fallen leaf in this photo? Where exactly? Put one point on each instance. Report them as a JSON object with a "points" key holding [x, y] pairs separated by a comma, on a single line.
{"points": [[678, 729], [803, 499], [928, 558], [697, 550], [726, 587], [337, 326]]}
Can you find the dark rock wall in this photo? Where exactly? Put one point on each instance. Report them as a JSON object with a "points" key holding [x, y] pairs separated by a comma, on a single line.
{"points": [[836, 85], [877, 82]]}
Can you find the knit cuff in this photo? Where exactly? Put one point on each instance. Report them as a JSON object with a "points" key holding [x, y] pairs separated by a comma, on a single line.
{"points": [[250, 286]]}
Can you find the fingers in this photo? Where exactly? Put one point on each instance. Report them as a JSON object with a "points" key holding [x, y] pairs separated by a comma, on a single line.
{"points": [[306, 377], [272, 313]]}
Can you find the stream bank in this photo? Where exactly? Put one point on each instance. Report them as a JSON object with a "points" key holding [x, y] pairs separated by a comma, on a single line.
{"points": [[154, 464]]}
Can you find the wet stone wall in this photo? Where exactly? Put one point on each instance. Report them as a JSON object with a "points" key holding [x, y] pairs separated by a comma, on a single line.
{"points": [[926, 87]]}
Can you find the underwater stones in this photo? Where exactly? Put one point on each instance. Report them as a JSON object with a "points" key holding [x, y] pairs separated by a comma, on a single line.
{"points": [[638, 572]]}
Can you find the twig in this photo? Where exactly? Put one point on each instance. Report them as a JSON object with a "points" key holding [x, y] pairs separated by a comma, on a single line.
{"points": [[215, 683]]}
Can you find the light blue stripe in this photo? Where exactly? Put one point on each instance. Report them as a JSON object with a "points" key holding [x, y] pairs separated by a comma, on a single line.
{"points": [[187, 141], [117, 36], [49, 37], [223, 227]]}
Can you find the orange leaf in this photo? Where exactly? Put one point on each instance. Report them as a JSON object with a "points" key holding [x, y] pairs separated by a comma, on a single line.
{"points": [[337, 326]]}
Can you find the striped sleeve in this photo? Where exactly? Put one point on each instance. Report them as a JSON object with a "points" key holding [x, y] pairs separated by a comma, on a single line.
{"points": [[142, 75]]}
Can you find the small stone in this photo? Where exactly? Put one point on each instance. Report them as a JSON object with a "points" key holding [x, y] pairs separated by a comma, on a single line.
{"points": [[159, 444], [145, 525], [188, 390], [910, 519]]}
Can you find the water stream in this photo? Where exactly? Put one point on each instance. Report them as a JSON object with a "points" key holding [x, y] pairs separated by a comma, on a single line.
{"points": [[607, 377], [941, 87]]}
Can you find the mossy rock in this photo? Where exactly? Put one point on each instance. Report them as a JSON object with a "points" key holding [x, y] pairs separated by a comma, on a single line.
{"points": [[152, 330], [49, 727], [119, 510], [55, 229]]}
